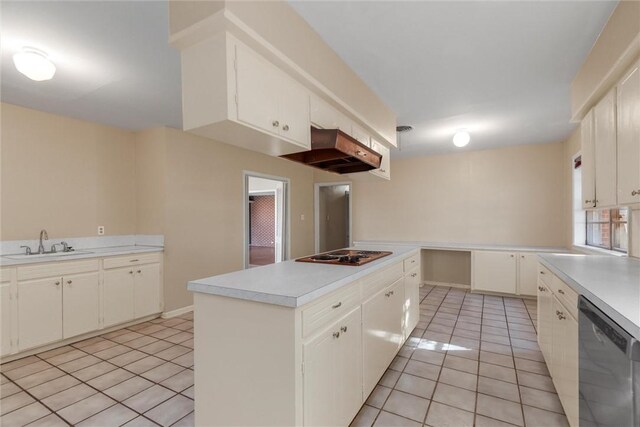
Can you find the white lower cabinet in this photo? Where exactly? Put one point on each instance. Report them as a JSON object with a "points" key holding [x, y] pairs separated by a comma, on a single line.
{"points": [[80, 304], [411, 300], [146, 292], [382, 334], [558, 339], [494, 271], [39, 312], [6, 313], [117, 296], [527, 274], [333, 373]]}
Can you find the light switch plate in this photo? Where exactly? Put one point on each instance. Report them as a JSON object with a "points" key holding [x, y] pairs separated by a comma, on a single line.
{"points": [[101, 230]]}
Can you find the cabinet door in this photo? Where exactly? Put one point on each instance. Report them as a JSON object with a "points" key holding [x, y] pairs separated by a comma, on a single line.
{"points": [[564, 360], [382, 332], [146, 294], [360, 135], [349, 368], [295, 122], [80, 304], [117, 295], [588, 173], [320, 379], [39, 312], [528, 274], [629, 138], [545, 321], [385, 165], [258, 85], [605, 150], [6, 317], [494, 271], [411, 300]]}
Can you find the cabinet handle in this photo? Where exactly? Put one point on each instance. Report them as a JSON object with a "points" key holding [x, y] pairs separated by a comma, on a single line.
{"points": [[361, 153], [336, 334], [414, 274], [413, 261], [343, 329], [522, 256], [388, 294], [588, 201], [131, 272], [560, 291], [285, 128], [134, 260], [57, 283], [69, 282], [139, 271], [540, 288], [511, 255], [635, 193], [337, 305], [542, 272], [275, 123], [383, 171], [560, 315]]}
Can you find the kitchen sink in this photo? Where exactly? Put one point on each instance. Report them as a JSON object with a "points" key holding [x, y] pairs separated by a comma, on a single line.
{"points": [[48, 255]]}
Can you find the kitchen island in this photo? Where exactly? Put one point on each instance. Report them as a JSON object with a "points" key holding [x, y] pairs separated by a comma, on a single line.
{"points": [[300, 343]]}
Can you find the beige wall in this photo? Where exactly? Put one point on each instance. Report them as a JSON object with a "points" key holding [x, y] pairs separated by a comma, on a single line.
{"points": [[333, 220], [504, 196], [203, 206], [614, 51], [571, 147], [68, 176]]}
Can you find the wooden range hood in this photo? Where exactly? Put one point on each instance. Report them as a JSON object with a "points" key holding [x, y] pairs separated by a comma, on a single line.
{"points": [[334, 151]]}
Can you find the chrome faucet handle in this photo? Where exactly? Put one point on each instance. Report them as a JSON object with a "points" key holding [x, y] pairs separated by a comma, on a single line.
{"points": [[27, 250], [53, 247], [66, 247]]}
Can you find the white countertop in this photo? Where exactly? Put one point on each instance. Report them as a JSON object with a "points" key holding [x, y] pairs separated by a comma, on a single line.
{"points": [[465, 246], [611, 283], [293, 284], [6, 261]]}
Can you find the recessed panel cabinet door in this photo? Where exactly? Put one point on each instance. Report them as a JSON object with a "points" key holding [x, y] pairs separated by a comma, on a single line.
{"points": [[5, 318], [81, 304], [382, 332], [494, 271], [545, 321], [118, 295], [258, 91], [39, 312], [294, 113], [629, 138], [588, 167], [349, 367], [412, 300], [528, 274], [605, 150], [146, 290]]}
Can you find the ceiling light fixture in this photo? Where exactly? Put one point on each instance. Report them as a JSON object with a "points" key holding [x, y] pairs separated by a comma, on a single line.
{"points": [[34, 64], [461, 138]]}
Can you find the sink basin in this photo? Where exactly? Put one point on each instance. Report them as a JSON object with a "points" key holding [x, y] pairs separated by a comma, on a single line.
{"points": [[52, 255]]}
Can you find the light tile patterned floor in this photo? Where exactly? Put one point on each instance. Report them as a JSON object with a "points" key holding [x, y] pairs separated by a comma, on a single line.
{"points": [[472, 360], [138, 376]]}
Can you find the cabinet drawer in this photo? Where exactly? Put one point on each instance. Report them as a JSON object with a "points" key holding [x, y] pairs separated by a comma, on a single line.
{"points": [[329, 309], [567, 296], [379, 280], [136, 259], [544, 274], [6, 274], [57, 269], [411, 262]]}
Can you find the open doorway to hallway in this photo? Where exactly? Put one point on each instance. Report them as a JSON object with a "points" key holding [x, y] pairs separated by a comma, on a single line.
{"points": [[332, 216], [266, 235]]}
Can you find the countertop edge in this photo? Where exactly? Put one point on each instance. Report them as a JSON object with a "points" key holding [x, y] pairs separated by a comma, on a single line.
{"points": [[616, 316], [288, 301], [465, 246], [100, 253]]}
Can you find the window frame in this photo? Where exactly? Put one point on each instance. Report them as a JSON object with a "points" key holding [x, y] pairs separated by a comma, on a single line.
{"points": [[611, 222]]}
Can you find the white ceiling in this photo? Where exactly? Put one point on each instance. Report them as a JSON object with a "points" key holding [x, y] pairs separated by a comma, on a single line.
{"points": [[500, 69], [114, 65]]}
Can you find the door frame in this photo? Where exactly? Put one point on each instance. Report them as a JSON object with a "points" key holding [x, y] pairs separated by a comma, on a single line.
{"points": [[286, 235], [316, 210]]}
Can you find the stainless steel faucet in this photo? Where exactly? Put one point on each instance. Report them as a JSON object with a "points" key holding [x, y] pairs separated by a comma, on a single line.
{"points": [[45, 236]]}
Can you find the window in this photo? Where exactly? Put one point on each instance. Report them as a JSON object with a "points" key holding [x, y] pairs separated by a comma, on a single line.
{"points": [[608, 229]]}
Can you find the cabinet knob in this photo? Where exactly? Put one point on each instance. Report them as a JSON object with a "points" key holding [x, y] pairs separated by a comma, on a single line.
{"points": [[337, 305], [336, 334], [275, 123], [635, 193], [414, 274], [511, 255], [542, 272], [383, 171], [139, 271], [69, 282], [131, 272], [388, 294], [285, 128], [560, 291], [57, 283], [343, 329]]}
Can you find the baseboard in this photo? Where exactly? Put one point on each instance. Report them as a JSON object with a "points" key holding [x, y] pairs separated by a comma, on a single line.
{"points": [[451, 285], [177, 312]]}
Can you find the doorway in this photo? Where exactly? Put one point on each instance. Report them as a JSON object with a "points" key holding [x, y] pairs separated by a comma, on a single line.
{"points": [[266, 234], [332, 216]]}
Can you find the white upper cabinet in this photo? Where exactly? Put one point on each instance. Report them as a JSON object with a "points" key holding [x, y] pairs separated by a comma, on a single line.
{"points": [[324, 116], [604, 126], [588, 162], [629, 137], [385, 165], [360, 135]]}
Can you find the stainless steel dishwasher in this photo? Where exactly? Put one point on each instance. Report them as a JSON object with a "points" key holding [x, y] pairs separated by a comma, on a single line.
{"points": [[609, 371]]}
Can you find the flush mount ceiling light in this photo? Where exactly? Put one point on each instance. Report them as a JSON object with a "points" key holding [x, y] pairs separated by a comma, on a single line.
{"points": [[34, 64], [461, 138]]}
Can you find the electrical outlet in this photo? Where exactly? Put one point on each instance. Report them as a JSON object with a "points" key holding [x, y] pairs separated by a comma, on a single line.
{"points": [[101, 230]]}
